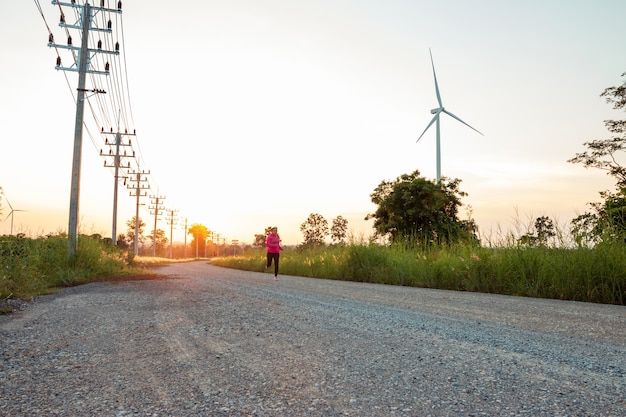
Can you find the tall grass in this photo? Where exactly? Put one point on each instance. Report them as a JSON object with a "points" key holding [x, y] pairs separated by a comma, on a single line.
{"points": [[583, 274], [38, 266]]}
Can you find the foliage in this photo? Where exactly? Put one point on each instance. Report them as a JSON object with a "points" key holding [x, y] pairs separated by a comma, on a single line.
{"points": [[338, 230], [581, 274], [161, 239], [260, 239], [129, 237], [200, 234], [416, 210], [544, 230], [606, 220], [36, 266], [315, 230]]}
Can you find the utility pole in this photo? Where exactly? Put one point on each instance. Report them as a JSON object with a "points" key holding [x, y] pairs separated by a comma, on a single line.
{"points": [[117, 164], [156, 202], [185, 253], [140, 190], [171, 219], [82, 66]]}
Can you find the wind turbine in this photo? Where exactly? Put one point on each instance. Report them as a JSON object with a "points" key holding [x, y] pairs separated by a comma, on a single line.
{"points": [[435, 118], [10, 213]]}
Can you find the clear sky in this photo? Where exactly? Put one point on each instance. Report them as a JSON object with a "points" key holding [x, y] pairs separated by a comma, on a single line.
{"points": [[250, 114]]}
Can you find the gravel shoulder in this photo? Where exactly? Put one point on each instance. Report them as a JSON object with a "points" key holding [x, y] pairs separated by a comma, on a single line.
{"points": [[208, 341]]}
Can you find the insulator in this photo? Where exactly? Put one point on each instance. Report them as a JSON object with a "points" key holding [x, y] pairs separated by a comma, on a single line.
{"points": [[102, 130], [69, 40], [109, 24], [117, 46], [58, 61], [102, 3], [111, 130], [51, 38], [62, 18], [126, 131], [129, 165], [134, 131], [119, 5], [73, 1], [133, 154], [99, 44], [106, 141], [125, 153], [110, 151], [106, 66], [130, 143], [100, 151]]}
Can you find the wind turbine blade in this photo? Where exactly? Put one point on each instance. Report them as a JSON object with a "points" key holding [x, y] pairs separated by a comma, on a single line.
{"points": [[457, 118], [429, 125], [435, 77]]}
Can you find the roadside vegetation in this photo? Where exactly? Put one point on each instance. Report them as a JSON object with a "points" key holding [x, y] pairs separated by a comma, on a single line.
{"points": [[595, 275], [38, 266], [418, 241]]}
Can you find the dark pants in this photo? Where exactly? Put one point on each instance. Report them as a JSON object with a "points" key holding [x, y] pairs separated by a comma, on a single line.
{"points": [[275, 257]]}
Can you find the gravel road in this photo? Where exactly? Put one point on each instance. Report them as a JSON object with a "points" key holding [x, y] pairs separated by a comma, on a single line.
{"points": [[208, 341]]}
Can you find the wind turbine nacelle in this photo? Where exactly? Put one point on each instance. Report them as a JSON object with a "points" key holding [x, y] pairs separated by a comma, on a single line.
{"points": [[434, 111]]}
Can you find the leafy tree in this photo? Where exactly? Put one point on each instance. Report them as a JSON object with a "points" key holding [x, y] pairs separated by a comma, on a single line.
{"points": [[544, 230], [259, 240], [415, 208], [339, 229], [200, 233], [314, 229], [129, 237], [159, 239], [606, 220]]}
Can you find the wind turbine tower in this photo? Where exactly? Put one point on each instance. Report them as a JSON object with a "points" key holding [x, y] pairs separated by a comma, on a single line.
{"points": [[437, 112], [11, 213]]}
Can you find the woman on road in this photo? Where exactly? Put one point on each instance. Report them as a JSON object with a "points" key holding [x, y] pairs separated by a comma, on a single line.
{"points": [[272, 243]]}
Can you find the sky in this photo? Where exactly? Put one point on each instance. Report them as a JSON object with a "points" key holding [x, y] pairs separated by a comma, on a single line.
{"points": [[252, 114]]}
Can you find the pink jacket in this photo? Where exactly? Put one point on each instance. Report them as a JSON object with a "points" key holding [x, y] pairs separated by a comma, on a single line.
{"points": [[273, 243]]}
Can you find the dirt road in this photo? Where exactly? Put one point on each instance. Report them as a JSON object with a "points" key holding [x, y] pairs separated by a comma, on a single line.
{"points": [[207, 341]]}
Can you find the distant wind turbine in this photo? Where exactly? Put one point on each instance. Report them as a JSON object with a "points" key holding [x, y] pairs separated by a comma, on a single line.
{"points": [[11, 213], [435, 118]]}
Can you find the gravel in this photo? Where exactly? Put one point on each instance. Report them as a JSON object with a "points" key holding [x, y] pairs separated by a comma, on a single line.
{"points": [[208, 341]]}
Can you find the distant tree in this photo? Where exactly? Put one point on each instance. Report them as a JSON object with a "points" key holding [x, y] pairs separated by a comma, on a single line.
{"points": [[314, 229], [339, 230], [259, 240], [543, 231], [199, 234], [414, 209], [607, 219], [160, 241], [129, 237]]}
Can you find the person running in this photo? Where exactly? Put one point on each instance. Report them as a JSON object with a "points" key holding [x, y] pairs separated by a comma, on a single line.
{"points": [[272, 243]]}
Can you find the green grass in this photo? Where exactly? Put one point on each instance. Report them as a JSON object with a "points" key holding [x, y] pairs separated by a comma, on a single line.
{"points": [[38, 266], [31, 267], [583, 274]]}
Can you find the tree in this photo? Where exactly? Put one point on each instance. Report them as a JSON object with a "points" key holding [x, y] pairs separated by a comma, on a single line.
{"points": [[339, 229], [129, 237], [159, 239], [544, 230], [606, 220], [412, 208], [314, 229], [200, 234], [259, 240]]}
